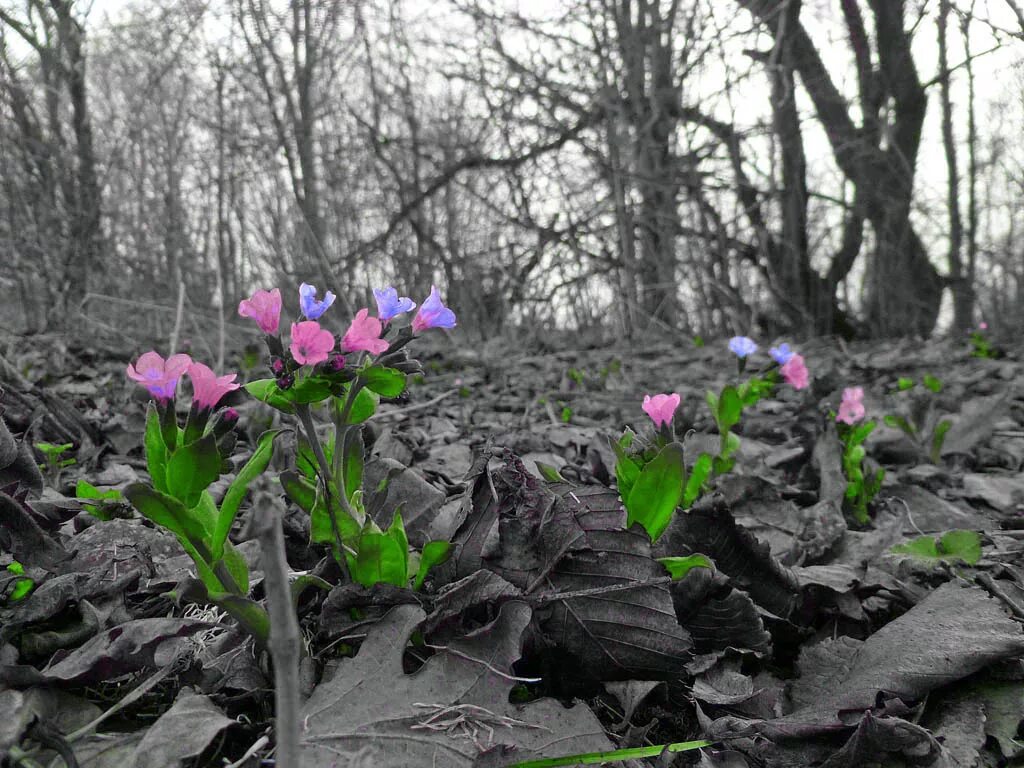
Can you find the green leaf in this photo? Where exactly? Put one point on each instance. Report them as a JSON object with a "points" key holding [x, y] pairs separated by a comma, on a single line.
{"points": [[156, 450], [253, 468], [86, 490], [732, 444], [712, 401], [953, 545], [351, 469], [267, 391], [170, 513], [434, 553], [964, 545], [310, 389], [698, 476], [903, 383], [938, 438], [900, 422], [169, 426], [364, 406], [298, 489], [51, 450], [657, 491], [722, 466], [386, 382], [320, 530], [381, 557], [932, 383], [192, 468], [678, 567], [237, 567], [730, 407], [550, 473], [860, 432]]}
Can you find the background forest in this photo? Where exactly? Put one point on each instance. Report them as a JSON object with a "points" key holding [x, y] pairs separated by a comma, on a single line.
{"points": [[700, 166]]}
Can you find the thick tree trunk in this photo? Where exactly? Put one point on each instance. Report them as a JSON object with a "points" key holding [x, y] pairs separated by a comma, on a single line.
{"points": [[904, 288]]}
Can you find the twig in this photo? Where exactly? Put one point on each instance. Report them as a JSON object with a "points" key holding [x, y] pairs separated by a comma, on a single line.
{"points": [[179, 312], [996, 591], [257, 745], [285, 641], [134, 695], [417, 406]]}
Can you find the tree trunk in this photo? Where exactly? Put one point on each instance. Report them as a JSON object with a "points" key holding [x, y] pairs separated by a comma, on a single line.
{"points": [[904, 288]]}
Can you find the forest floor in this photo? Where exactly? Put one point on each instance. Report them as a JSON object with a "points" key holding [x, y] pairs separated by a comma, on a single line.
{"points": [[812, 641]]}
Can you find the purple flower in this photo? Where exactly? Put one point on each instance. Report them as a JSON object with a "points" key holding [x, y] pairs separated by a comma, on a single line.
{"points": [[781, 353], [433, 313], [389, 305], [742, 346], [312, 308], [158, 376]]}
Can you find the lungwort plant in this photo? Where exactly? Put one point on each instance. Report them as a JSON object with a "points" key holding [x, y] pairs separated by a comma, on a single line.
{"points": [[862, 483], [918, 415], [656, 476], [344, 379], [310, 378]]}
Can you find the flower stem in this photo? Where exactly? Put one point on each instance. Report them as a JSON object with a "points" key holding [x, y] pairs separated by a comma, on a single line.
{"points": [[613, 756], [306, 418]]}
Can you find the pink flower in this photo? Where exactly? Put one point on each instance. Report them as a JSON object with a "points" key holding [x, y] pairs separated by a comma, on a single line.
{"points": [[265, 308], [364, 333], [983, 325], [310, 343], [433, 313], [661, 408], [207, 387], [794, 371], [851, 408], [158, 376]]}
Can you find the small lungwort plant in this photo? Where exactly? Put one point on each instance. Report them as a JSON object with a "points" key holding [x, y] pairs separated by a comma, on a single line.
{"points": [[54, 460], [981, 345], [862, 484], [918, 417], [345, 381], [183, 462], [728, 405]]}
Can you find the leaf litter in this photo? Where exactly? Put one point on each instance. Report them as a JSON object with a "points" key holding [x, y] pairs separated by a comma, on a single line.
{"points": [[553, 630]]}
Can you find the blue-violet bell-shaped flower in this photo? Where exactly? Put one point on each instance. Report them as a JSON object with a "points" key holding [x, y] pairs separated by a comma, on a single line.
{"points": [[781, 353], [390, 305], [312, 308], [742, 346], [433, 313]]}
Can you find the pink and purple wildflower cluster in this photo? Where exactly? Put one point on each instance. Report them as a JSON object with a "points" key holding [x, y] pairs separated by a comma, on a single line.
{"points": [[792, 366], [310, 343], [160, 377]]}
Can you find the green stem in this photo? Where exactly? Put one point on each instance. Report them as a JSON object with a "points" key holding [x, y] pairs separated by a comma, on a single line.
{"points": [[306, 418], [341, 430], [615, 756]]}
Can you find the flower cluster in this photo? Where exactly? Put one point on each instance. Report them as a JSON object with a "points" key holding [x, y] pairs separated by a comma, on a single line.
{"points": [[792, 366], [311, 344], [160, 377]]}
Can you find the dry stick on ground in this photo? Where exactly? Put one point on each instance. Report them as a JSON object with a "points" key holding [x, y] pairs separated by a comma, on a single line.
{"points": [[285, 640]]}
